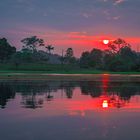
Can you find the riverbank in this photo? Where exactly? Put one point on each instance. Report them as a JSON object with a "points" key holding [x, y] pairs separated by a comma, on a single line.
{"points": [[94, 76], [81, 71]]}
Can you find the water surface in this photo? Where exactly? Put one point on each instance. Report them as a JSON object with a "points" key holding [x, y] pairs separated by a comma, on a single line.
{"points": [[66, 110]]}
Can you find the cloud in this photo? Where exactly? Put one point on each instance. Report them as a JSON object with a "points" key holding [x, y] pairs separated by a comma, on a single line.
{"points": [[118, 2], [87, 15], [116, 17], [115, 2]]}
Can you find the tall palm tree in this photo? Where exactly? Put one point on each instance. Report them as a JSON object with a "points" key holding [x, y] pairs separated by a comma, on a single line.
{"points": [[49, 48]]}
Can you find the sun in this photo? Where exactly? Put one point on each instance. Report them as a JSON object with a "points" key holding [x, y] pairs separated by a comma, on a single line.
{"points": [[105, 41]]}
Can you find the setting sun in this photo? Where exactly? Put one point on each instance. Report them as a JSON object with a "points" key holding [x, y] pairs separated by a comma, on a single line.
{"points": [[105, 41]]}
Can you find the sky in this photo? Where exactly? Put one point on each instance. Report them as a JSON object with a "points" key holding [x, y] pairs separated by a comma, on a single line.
{"points": [[80, 24]]}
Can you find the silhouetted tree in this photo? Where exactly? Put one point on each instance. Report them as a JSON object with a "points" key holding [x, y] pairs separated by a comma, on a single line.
{"points": [[6, 50], [69, 56], [93, 59], [49, 48], [124, 60], [84, 60], [108, 56], [32, 43], [96, 58], [69, 53], [117, 44]]}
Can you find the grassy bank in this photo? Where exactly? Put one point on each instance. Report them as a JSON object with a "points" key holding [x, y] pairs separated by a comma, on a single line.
{"points": [[68, 77], [37, 69]]}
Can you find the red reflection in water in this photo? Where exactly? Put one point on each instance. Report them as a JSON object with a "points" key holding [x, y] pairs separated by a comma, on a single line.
{"points": [[109, 101], [105, 81]]}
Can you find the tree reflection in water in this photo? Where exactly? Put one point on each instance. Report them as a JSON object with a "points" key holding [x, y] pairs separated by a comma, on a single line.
{"points": [[31, 101], [6, 93], [68, 89], [49, 97], [111, 94], [110, 100], [34, 94]]}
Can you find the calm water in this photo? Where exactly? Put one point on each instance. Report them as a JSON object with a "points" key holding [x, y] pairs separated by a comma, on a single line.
{"points": [[64, 110]]}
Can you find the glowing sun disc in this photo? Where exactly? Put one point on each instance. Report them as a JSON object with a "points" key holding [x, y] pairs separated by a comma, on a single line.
{"points": [[105, 41]]}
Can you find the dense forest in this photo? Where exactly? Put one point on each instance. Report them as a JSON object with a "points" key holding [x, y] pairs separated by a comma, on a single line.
{"points": [[118, 57]]}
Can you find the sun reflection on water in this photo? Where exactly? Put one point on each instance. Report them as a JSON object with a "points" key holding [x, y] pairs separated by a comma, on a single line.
{"points": [[105, 104]]}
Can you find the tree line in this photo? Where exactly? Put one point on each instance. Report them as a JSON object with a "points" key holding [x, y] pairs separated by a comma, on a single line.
{"points": [[118, 57]]}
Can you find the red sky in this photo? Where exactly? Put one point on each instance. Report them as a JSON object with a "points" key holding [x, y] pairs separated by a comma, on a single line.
{"points": [[80, 24], [79, 41]]}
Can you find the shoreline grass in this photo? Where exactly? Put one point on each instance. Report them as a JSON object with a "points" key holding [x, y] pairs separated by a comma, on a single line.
{"points": [[31, 68], [65, 76], [64, 72]]}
